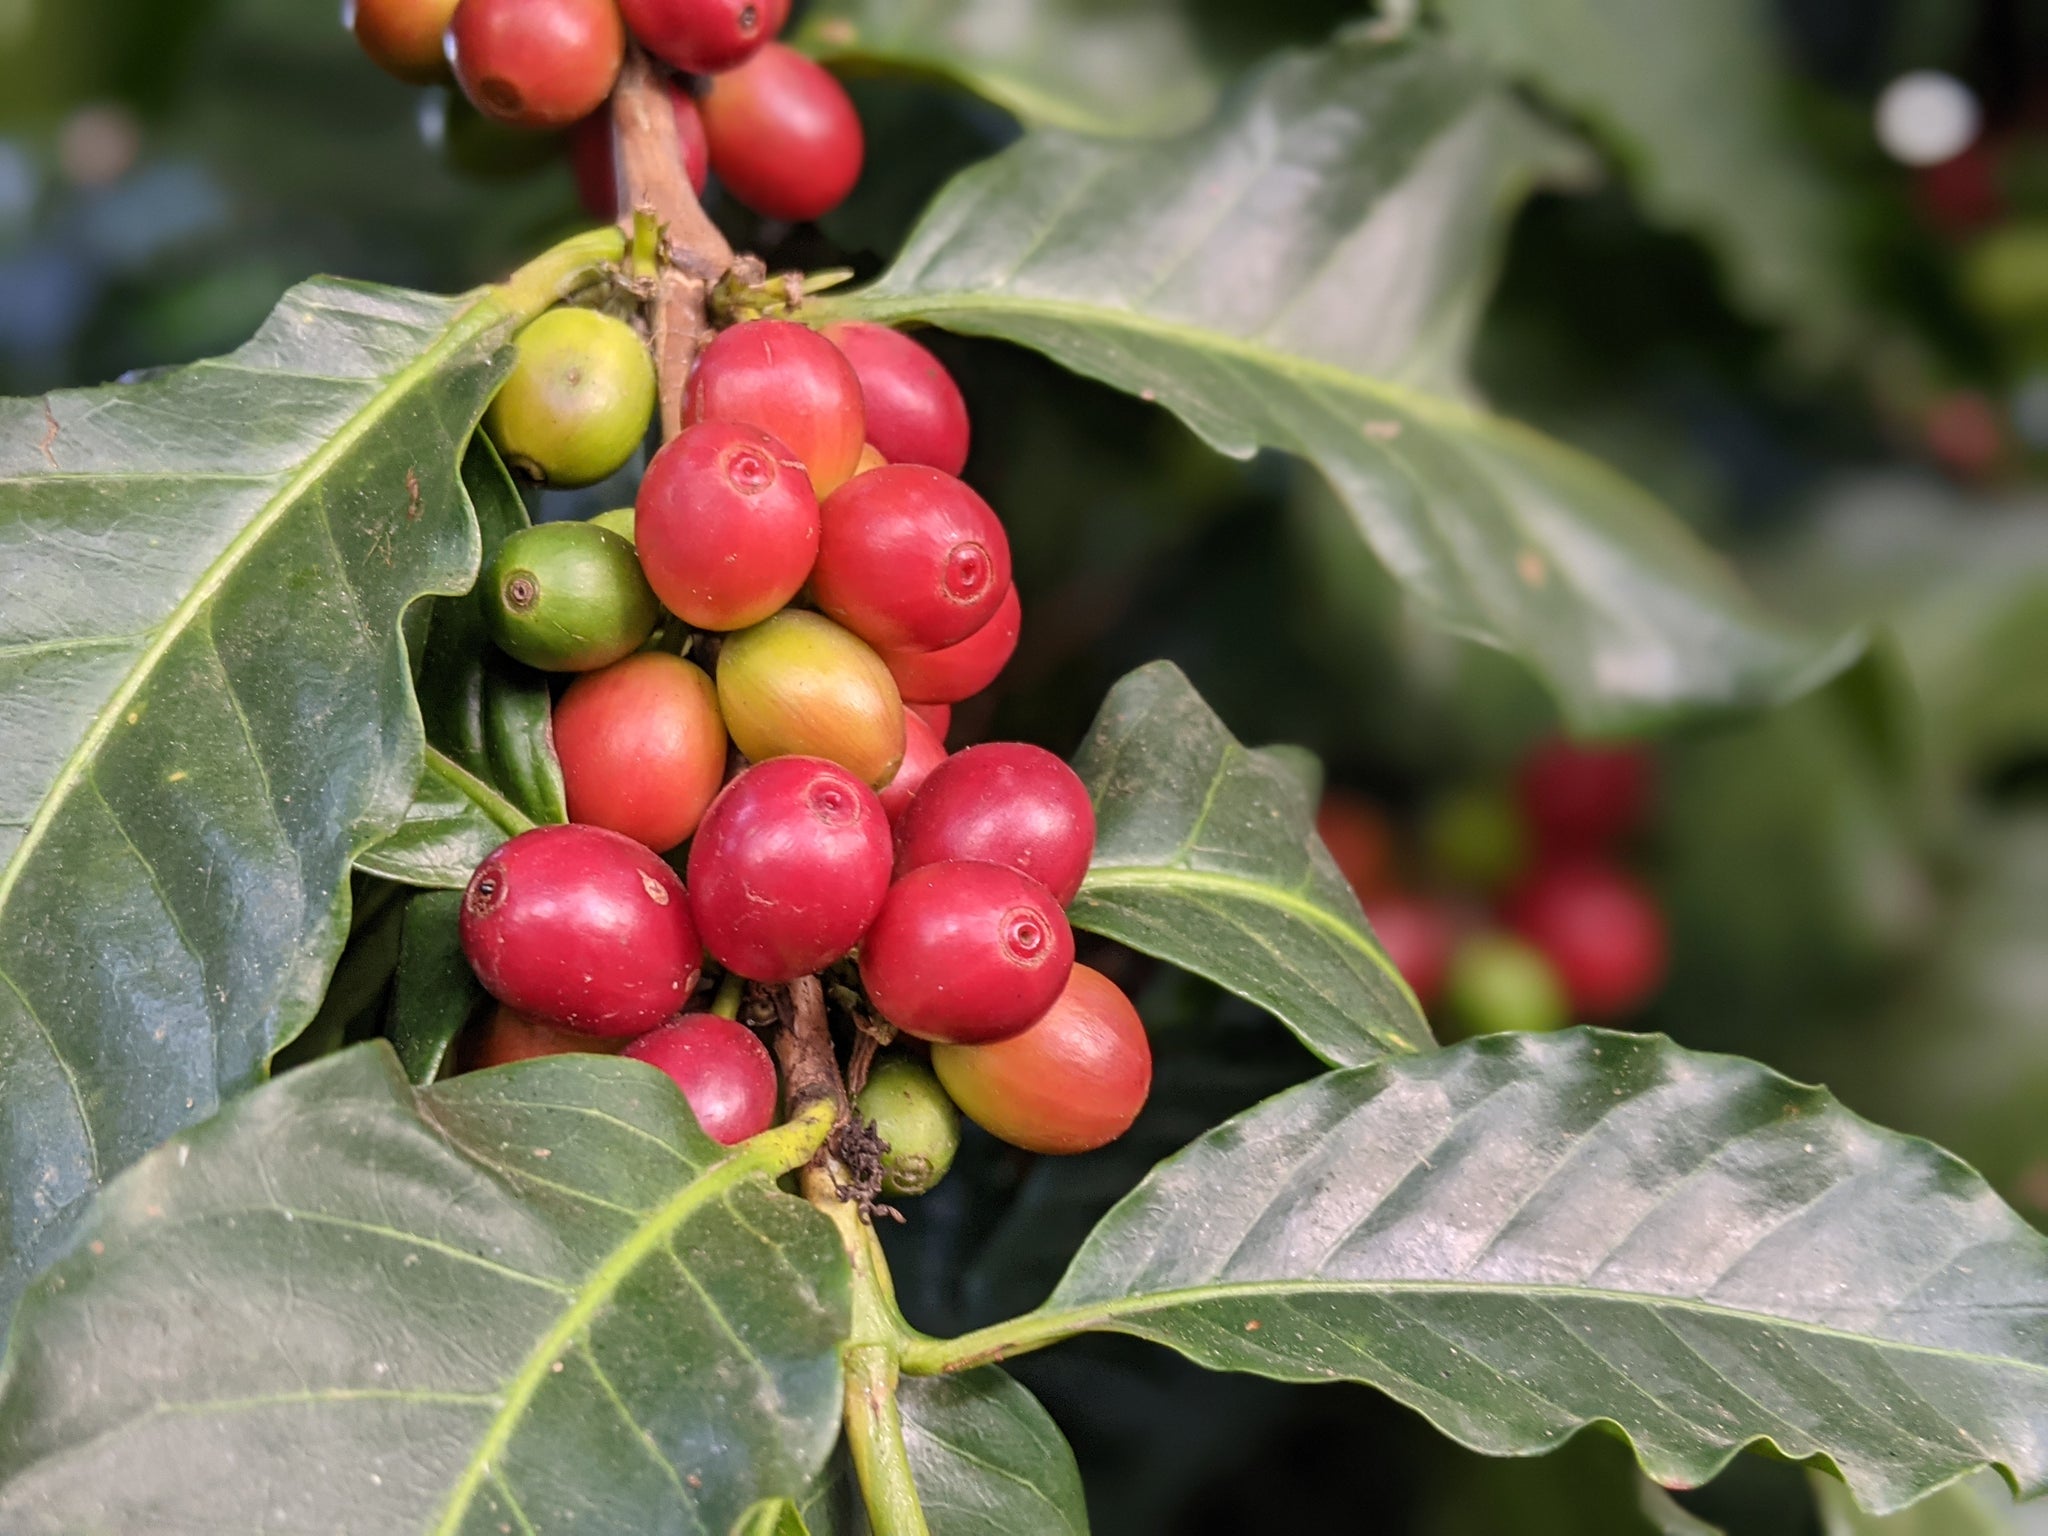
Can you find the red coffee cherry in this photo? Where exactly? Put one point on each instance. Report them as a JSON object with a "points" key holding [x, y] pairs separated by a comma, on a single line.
{"points": [[910, 559], [938, 716], [726, 525], [959, 671], [1359, 838], [581, 928], [1584, 799], [1418, 934], [725, 1073], [642, 747], [702, 37], [1600, 928], [922, 752], [966, 953], [785, 138], [537, 63], [788, 868], [403, 37], [1072, 1082], [1003, 803], [590, 153], [915, 411], [506, 1037], [790, 382]]}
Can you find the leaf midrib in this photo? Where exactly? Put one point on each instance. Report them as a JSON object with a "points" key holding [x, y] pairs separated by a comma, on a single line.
{"points": [[469, 323]]}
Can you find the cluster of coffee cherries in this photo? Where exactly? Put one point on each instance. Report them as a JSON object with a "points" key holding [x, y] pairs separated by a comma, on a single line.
{"points": [[1525, 914], [766, 649], [779, 130]]}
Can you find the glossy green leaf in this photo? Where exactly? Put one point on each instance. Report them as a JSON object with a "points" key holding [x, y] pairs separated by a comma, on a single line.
{"points": [[988, 1460], [435, 992], [1523, 1235], [1206, 855], [771, 1517], [453, 823], [1303, 274], [536, 1296], [1696, 103], [1976, 1508], [205, 710], [1100, 66]]}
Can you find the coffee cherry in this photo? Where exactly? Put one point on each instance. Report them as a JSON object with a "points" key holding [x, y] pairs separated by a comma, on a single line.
{"points": [[1474, 839], [1497, 984], [959, 671], [913, 1116], [966, 953], [800, 686], [619, 520], [1600, 928], [591, 157], [726, 525], [871, 457], [788, 868], [922, 752], [915, 412], [911, 559], [642, 747], [1418, 934], [1584, 799], [701, 37], [537, 63], [583, 929], [506, 1037], [567, 597], [1003, 803], [785, 138], [403, 37], [1072, 1082], [790, 382], [725, 1073], [1356, 832], [578, 401], [938, 716]]}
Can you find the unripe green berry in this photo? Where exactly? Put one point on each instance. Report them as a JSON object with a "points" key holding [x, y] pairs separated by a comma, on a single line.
{"points": [[1499, 984], [568, 597], [797, 685], [1474, 838], [578, 401], [619, 520], [910, 1112]]}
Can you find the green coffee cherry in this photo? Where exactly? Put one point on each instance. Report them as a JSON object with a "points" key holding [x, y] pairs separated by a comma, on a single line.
{"points": [[912, 1113], [568, 597], [1499, 984], [578, 401], [1474, 839], [619, 521]]}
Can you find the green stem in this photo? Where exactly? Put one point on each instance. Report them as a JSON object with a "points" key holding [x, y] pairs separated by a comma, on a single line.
{"points": [[922, 1355], [555, 274], [789, 1146], [507, 817], [730, 991]]}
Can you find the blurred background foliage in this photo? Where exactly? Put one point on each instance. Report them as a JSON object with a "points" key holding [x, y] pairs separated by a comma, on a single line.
{"points": [[1832, 363]]}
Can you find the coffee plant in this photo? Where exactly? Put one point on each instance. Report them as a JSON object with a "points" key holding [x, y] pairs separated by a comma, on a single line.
{"points": [[487, 1000]]}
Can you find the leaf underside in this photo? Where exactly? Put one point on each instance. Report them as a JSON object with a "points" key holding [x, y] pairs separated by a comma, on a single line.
{"points": [[988, 1459]]}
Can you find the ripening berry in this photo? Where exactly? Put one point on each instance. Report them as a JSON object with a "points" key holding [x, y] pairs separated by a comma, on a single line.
{"points": [[959, 671], [966, 953], [642, 747], [1600, 928], [785, 137], [915, 1120], [403, 37], [1417, 933], [800, 686], [1499, 983], [578, 400], [922, 752], [567, 597], [590, 153], [1584, 799], [1356, 832], [871, 457], [911, 559], [506, 1037], [915, 411], [938, 716], [1072, 1082], [725, 1073], [726, 525], [1006, 803], [788, 868], [537, 63], [790, 382], [583, 929], [701, 37]]}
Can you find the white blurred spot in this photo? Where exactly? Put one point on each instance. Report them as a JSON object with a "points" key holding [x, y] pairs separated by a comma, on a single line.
{"points": [[1926, 117], [2030, 410]]}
